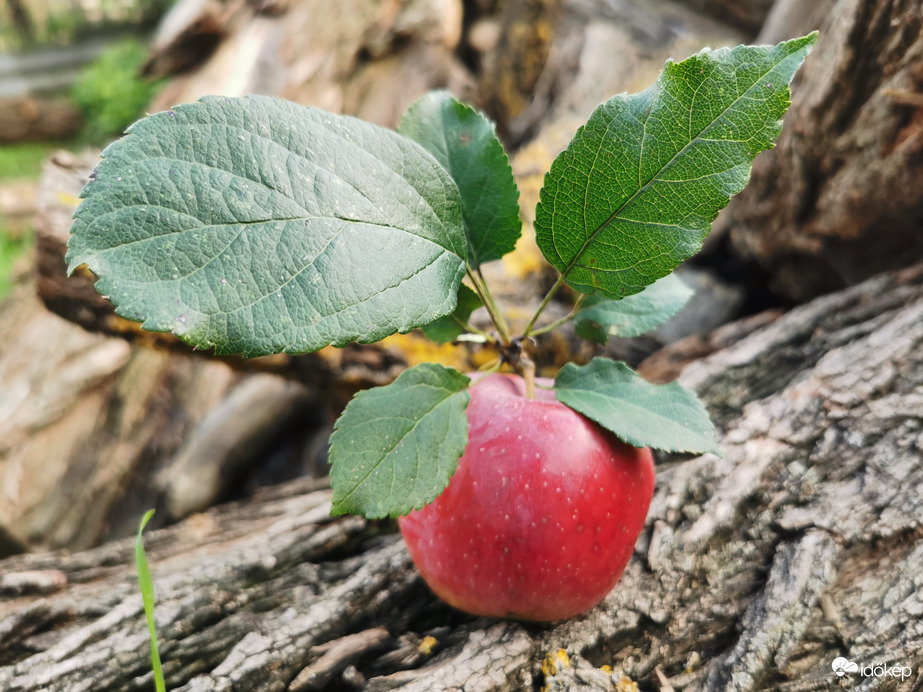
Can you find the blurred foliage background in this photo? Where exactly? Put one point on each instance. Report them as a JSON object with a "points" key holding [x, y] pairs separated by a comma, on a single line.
{"points": [[88, 54], [111, 93], [26, 24]]}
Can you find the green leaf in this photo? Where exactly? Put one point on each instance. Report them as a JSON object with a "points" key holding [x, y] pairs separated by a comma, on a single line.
{"points": [[450, 327], [146, 584], [664, 416], [258, 226], [395, 447], [600, 318], [463, 140], [636, 190]]}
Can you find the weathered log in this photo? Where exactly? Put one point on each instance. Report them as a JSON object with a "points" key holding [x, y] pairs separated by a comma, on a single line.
{"points": [[594, 49], [748, 15], [755, 570], [18, 206], [187, 35], [90, 426], [838, 200], [28, 118], [365, 58]]}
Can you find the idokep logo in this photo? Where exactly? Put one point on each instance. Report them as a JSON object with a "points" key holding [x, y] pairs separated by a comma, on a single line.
{"points": [[844, 667], [841, 666]]}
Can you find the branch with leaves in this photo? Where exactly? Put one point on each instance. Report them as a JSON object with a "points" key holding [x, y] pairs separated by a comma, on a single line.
{"points": [[257, 226]]}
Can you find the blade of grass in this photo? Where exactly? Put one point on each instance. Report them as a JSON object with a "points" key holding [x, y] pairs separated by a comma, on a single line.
{"points": [[147, 594]]}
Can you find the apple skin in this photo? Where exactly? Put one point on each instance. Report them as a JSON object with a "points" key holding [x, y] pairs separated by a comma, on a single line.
{"points": [[542, 514]]}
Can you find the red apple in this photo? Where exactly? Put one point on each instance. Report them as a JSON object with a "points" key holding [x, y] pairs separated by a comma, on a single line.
{"points": [[541, 516]]}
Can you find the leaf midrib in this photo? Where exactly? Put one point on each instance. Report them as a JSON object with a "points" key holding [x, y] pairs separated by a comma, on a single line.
{"points": [[352, 145], [278, 289], [261, 183]]}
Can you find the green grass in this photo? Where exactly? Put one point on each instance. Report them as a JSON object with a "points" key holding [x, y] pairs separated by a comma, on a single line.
{"points": [[11, 249], [147, 594], [18, 161], [111, 96], [111, 93], [25, 160]]}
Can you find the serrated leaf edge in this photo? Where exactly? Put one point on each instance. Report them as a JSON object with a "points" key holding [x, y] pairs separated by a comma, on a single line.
{"points": [[695, 401], [474, 260]]}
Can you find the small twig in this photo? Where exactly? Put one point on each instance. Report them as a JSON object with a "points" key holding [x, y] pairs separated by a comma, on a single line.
{"points": [[337, 655], [905, 98], [665, 685]]}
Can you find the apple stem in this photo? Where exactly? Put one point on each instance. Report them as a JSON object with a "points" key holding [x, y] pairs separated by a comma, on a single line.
{"points": [[527, 365]]}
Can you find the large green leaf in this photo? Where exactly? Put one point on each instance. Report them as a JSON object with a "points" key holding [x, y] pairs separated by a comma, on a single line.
{"points": [[257, 226], [450, 327], [600, 318], [465, 143], [637, 189], [664, 416], [395, 447]]}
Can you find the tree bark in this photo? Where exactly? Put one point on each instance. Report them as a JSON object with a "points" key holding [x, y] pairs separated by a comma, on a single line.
{"points": [[838, 200], [801, 544], [748, 15]]}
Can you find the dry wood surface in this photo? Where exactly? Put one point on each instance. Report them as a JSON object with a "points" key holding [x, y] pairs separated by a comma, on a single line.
{"points": [[755, 570]]}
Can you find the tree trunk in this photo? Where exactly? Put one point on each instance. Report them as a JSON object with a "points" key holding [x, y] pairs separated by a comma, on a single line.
{"points": [[839, 199], [755, 570], [20, 20]]}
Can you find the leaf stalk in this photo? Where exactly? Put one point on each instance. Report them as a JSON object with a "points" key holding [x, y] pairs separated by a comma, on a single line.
{"points": [[480, 287], [564, 320], [541, 308]]}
